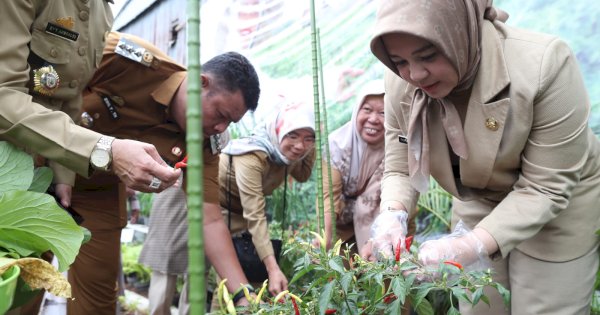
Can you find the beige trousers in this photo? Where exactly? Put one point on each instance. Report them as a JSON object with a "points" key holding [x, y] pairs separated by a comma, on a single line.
{"points": [[541, 287], [161, 293]]}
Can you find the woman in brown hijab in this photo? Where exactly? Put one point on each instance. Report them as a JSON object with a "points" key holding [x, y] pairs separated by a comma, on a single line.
{"points": [[499, 117]]}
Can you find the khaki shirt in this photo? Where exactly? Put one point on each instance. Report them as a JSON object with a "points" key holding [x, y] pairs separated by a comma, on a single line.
{"points": [[69, 36], [252, 177], [130, 99], [532, 177]]}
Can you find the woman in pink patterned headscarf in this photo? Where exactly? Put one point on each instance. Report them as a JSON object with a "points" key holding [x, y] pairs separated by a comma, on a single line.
{"points": [[357, 150], [499, 117]]}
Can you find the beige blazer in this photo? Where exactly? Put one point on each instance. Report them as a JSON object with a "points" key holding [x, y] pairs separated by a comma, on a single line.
{"points": [[35, 121], [534, 181]]}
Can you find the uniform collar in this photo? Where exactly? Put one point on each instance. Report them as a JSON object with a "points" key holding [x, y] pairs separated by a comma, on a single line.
{"points": [[165, 92]]}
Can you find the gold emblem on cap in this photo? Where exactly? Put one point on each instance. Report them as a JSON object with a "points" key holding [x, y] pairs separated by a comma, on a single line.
{"points": [[492, 124], [176, 151], [45, 80], [66, 22]]}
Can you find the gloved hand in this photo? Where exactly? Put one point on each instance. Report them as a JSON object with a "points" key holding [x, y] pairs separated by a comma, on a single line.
{"points": [[387, 231], [461, 246]]}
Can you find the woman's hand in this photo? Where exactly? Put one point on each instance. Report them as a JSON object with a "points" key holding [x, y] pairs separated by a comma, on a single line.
{"points": [[387, 231], [277, 280], [469, 248]]}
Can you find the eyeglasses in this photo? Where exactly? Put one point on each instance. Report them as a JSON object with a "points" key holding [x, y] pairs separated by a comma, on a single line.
{"points": [[295, 139]]}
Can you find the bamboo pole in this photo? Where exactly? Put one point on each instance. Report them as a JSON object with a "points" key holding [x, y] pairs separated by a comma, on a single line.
{"points": [[197, 294], [326, 131], [315, 71]]}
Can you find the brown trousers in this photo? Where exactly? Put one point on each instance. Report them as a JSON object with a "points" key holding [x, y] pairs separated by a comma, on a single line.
{"points": [[93, 275]]}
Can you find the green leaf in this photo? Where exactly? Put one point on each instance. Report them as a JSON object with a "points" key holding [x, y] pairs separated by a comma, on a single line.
{"points": [[422, 292], [336, 263], [16, 168], [301, 273], [424, 308], [503, 292], [34, 217], [87, 235], [460, 294], [22, 241], [346, 281], [401, 288], [325, 297], [477, 295], [485, 299], [42, 178], [394, 308], [453, 311]]}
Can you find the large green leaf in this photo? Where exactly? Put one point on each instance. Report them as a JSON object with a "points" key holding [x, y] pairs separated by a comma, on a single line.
{"points": [[42, 178], [16, 168], [33, 221]]}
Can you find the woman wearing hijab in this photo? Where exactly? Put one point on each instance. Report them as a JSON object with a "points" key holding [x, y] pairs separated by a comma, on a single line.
{"points": [[357, 150], [499, 117], [282, 145]]}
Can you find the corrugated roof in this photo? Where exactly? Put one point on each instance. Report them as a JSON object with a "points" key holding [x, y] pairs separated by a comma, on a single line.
{"points": [[130, 11]]}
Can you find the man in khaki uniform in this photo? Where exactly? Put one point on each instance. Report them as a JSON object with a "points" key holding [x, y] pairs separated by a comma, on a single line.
{"points": [[50, 50], [139, 93]]}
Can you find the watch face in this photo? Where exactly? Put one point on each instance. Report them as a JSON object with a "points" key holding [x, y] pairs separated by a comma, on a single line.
{"points": [[100, 158]]}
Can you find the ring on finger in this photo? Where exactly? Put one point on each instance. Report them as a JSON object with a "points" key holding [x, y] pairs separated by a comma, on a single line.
{"points": [[155, 183]]}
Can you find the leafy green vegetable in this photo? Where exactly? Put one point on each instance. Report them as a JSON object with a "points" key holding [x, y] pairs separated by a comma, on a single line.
{"points": [[35, 222], [31, 222], [16, 168]]}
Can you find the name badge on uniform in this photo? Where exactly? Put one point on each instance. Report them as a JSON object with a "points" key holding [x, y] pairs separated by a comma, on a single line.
{"points": [[133, 51], [59, 31], [402, 139], [215, 144], [110, 106]]}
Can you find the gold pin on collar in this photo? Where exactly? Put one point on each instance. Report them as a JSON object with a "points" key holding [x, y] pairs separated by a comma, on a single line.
{"points": [[66, 22], [45, 80], [492, 124]]}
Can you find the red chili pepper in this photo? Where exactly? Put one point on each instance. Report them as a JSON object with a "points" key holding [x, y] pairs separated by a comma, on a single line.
{"points": [[330, 311], [453, 263], [398, 250], [408, 242], [389, 298], [296, 309], [182, 163]]}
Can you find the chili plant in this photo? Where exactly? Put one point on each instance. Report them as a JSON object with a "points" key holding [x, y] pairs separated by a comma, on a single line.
{"points": [[326, 282]]}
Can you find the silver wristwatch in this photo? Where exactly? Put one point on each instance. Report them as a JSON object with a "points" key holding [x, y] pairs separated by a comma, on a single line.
{"points": [[101, 157]]}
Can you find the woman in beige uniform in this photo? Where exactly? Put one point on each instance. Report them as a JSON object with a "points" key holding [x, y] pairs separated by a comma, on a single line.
{"points": [[283, 144], [499, 117]]}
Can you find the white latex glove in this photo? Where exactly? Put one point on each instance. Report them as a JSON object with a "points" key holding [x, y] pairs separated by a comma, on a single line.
{"points": [[461, 246], [387, 231]]}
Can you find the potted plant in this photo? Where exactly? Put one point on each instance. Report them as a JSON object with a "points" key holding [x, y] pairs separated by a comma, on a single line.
{"points": [[8, 284], [32, 223]]}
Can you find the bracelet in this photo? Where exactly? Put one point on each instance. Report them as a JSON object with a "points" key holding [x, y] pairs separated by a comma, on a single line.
{"points": [[239, 293]]}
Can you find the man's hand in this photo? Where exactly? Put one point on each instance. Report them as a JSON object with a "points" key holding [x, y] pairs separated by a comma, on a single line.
{"points": [[64, 193], [138, 163]]}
